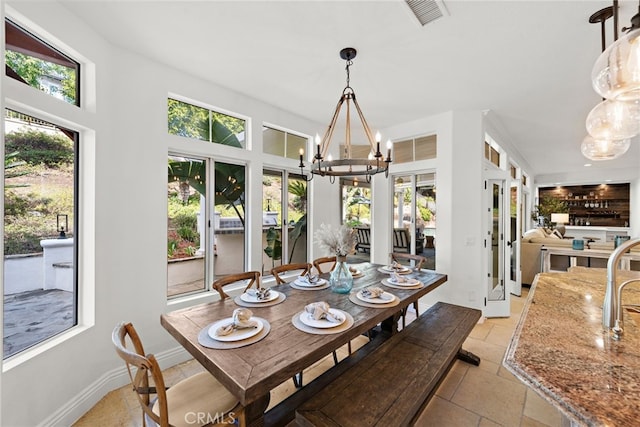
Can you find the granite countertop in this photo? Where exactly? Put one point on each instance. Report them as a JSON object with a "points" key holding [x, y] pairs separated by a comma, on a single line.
{"points": [[560, 349]]}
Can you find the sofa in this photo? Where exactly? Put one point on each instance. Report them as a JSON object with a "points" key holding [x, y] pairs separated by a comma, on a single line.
{"points": [[530, 257]]}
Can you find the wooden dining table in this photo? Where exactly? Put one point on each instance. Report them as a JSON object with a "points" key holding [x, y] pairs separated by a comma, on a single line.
{"points": [[252, 371]]}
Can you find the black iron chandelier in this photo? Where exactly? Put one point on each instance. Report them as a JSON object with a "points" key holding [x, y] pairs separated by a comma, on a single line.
{"points": [[324, 165]]}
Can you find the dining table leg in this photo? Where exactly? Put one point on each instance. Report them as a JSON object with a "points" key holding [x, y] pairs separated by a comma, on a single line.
{"points": [[254, 411], [390, 324]]}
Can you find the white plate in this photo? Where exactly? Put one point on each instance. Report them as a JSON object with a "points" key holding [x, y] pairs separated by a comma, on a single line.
{"points": [[273, 295], [322, 323], [236, 335], [386, 298], [409, 281], [320, 282], [390, 269], [356, 273]]}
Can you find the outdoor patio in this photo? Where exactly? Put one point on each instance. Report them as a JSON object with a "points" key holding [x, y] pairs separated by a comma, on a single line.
{"points": [[33, 316]]}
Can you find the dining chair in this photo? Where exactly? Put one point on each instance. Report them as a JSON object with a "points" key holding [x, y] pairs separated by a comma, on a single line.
{"points": [[318, 263], [404, 258], [194, 401], [252, 276], [304, 268]]}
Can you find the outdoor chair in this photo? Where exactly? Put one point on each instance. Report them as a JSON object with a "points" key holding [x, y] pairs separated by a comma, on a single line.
{"points": [[252, 276], [198, 394]]}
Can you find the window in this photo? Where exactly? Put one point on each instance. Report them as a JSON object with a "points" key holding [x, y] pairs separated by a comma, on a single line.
{"points": [[191, 121], [37, 64], [40, 231], [410, 150], [282, 143]]}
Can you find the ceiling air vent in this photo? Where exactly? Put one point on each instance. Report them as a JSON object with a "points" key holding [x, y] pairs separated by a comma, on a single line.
{"points": [[425, 10]]}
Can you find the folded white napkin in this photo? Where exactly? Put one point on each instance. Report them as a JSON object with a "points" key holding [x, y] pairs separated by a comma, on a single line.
{"points": [[241, 320], [320, 310], [372, 292], [398, 278], [260, 293], [308, 279]]}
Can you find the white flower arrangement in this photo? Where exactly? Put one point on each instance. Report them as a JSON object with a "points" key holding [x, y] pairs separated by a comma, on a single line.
{"points": [[341, 241]]}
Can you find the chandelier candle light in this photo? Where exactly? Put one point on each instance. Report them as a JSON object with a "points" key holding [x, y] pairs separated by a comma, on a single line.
{"points": [[324, 165], [340, 242]]}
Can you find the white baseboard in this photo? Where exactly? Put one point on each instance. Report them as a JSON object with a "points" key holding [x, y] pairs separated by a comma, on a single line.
{"points": [[69, 413]]}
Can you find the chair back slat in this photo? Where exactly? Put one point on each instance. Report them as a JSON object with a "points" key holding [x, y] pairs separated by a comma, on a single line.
{"points": [[319, 262], [253, 278], [305, 267]]}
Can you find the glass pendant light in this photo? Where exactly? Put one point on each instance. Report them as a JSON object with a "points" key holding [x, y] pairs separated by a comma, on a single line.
{"points": [[614, 120], [602, 149], [616, 73]]}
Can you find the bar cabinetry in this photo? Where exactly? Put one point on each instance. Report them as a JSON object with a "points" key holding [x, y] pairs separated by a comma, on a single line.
{"points": [[593, 205]]}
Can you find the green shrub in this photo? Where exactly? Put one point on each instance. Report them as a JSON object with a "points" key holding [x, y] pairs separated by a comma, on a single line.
{"points": [[35, 147]]}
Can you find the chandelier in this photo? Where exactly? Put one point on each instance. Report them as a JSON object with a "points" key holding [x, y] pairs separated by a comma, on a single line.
{"points": [[324, 165], [616, 77]]}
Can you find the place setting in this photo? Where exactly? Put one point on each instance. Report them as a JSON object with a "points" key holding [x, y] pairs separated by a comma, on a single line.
{"points": [[396, 268], [374, 297], [320, 319], [239, 330], [260, 297], [399, 281], [309, 282]]}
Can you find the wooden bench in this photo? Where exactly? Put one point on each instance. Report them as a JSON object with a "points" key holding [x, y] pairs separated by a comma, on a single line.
{"points": [[393, 383]]}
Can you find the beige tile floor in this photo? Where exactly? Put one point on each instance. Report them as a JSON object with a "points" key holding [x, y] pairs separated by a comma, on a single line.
{"points": [[483, 396]]}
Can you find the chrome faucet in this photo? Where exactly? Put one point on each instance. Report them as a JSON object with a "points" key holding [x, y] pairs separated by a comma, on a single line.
{"points": [[612, 306]]}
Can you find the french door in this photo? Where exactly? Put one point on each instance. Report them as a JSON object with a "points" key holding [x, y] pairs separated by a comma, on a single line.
{"points": [[205, 222], [497, 228]]}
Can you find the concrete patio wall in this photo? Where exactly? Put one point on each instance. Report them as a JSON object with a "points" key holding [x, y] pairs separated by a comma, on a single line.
{"points": [[23, 273]]}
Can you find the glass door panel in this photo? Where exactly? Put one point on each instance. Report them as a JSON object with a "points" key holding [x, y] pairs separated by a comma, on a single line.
{"points": [[297, 215], [186, 231], [229, 223], [514, 240], [425, 215], [496, 258], [271, 220]]}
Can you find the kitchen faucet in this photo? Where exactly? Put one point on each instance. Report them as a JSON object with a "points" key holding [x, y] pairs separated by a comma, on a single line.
{"points": [[612, 306]]}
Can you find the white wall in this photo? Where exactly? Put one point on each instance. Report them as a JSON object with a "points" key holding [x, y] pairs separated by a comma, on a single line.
{"points": [[459, 182]]}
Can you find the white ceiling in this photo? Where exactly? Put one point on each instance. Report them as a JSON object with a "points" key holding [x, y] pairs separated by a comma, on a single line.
{"points": [[527, 61]]}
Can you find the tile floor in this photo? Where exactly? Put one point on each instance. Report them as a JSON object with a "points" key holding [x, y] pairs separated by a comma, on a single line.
{"points": [[483, 396]]}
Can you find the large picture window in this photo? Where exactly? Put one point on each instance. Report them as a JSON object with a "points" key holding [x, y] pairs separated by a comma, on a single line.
{"points": [[40, 231], [37, 64]]}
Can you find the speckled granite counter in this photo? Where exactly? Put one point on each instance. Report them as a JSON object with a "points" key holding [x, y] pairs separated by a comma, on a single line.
{"points": [[559, 349]]}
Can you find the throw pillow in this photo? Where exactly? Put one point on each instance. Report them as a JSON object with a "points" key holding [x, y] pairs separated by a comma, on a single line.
{"points": [[536, 232]]}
